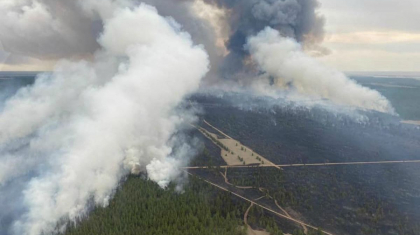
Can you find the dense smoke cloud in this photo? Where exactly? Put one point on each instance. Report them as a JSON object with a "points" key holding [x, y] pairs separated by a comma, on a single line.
{"points": [[293, 18], [283, 59], [70, 138], [46, 28]]}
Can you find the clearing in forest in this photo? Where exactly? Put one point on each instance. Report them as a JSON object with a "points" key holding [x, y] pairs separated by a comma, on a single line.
{"points": [[232, 151]]}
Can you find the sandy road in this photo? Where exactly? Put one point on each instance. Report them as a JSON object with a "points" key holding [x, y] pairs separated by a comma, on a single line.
{"points": [[227, 182], [313, 164], [234, 152], [221, 132], [250, 230], [305, 229], [270, 164], [248, 155], [246, 214], [257, 204]]}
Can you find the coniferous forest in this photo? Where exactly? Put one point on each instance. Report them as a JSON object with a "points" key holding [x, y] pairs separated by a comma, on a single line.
{"points": [[141, 207]]}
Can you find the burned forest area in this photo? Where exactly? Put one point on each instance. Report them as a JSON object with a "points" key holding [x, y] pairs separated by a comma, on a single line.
{"points": [[305, 199]]}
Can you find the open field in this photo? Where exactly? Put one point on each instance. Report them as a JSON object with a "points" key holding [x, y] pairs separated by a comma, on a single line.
{"points": [[233, 152]]}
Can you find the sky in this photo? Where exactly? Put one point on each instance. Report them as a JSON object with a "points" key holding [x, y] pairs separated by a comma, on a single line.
{"points": [[361, 35], [372, 35]]}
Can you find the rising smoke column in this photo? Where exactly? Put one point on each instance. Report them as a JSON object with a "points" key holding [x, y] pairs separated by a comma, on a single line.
{"points": [[49, 29], [297, 19], [46, 28], [283, 59], [69, 139]]}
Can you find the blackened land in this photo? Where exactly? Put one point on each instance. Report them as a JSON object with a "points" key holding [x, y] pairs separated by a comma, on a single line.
{"points": [[365, 199]]}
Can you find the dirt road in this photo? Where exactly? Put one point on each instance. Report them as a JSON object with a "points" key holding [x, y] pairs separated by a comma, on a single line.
{"points": [[221, 132], [249, 156], [305, 229], [257, 204], [313, 164]]}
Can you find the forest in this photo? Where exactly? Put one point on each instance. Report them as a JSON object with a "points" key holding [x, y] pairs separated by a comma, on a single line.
{"points": [[141, 207], [364, 199], [373, 199]]}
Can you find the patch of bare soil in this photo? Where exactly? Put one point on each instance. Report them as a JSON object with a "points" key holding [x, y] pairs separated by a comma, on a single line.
{"points": [[233, 152]]}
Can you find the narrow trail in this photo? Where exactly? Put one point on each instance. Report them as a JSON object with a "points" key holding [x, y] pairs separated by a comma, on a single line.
{"points": [[305, 229], [281, 208], [251, 231], [262, 190], [246, 214], [257, 199], [221, 132], [257, 204], [286, 215], [240, 187], [203, 131]]}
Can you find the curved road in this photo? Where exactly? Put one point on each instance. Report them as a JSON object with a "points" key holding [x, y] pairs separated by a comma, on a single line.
{"points": [[257, 204]]}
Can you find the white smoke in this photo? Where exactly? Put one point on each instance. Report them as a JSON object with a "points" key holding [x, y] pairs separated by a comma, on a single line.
{"points": [[82, 128], [284, 60], [3, 56], [45, 28], [70, 138]]}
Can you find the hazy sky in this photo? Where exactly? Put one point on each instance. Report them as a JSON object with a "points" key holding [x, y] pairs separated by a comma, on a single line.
{"points": [[363, 35], [373, 35]]}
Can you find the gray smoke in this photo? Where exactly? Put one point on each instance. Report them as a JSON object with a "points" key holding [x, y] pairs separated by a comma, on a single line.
{"points": [[292, 18], [290, 68], [68, 140], [62, 30], [47, 28]]}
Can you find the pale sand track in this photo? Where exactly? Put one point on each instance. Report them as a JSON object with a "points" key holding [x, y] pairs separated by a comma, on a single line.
{"points": [[305, 229], [249, 157], [237, 154], [250, 231], [257, 204], [221, 132], [315, 164], [227, 182]]}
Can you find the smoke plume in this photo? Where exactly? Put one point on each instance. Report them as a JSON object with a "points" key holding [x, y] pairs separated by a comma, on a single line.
{"points": [[59, 29], [46, 28], [68, 140], [283, 59], [293, 18]]}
